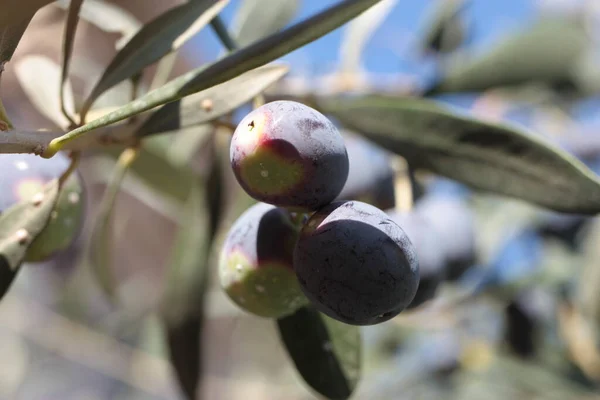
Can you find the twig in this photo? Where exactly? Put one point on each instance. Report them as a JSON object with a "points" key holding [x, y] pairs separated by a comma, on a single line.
{"points": [[75, 158], [223, 34], [36, 142]]}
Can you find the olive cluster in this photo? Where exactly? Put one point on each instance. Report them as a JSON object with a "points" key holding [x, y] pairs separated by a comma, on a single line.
{"points": [[303, 243]]}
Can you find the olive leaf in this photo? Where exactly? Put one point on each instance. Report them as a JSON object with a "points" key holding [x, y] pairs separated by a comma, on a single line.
{"points": [[16, 12], [491, 157], [10, 36], [154, 40], [238, 62], [19, 226], [189, 274], [546, 52], [443, 30], [184, 342], [212, 103], [187, 267], [68, 41], [326, 353], [182, 308], [256, 19]]}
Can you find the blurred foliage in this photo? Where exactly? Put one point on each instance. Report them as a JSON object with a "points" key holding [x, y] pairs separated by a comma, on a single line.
{"points": [[520, 316]]}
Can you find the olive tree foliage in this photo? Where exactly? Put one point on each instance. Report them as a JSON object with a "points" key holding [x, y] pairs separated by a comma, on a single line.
{"points": [[157, 132]]}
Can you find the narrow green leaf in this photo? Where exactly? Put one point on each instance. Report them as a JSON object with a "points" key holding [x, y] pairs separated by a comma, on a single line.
{"points": [[191, 251], [68, 41], [10, 36], [237, 63], [188, 261], [16, 12], [443, 29], [183, 301], [100, 242], [546, 52], [256, 19], [326, 353], [153, 41], [491, 157], [183, 304], [19, 226], [185, 345], [212, 103]]}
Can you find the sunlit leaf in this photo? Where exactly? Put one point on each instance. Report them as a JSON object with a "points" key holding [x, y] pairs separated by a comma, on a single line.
{"points": [[256, 19], [358, 33], [545, 52], [326, 353], [154, 40], [19, 226], [444, 29], [68, 40], [237, 63], [40, 78], [214, 102], [491, 157]]}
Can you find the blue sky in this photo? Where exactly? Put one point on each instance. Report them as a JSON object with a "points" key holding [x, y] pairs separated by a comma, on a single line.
{"points": [[492, 19]]}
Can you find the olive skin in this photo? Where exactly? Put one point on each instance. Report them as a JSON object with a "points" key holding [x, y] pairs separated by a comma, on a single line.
{"points": [[355, 264], [25, 175], [255, 264], [287, 154]]}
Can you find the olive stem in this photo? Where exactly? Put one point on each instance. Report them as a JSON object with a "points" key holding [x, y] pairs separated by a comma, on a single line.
{"points": [[403, 188], [221, 31], [298, 219], [75, 158]]}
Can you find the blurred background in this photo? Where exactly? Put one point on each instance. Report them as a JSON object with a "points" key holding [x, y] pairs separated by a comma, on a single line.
{"points": [[517, 314]]}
